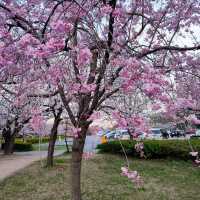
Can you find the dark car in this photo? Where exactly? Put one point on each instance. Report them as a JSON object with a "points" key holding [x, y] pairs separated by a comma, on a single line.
{"points": [[165, 133], [196, 135], [177, 133]]}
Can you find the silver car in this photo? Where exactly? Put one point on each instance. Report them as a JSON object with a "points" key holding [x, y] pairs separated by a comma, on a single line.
{"points": [[155, 133]]}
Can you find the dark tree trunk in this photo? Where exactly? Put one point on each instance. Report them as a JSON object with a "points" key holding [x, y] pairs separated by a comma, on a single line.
{"points": [[77, 151], [130, 133], [52, 139], [9, 145], [9, 139], [10, 134], [66, 144]]}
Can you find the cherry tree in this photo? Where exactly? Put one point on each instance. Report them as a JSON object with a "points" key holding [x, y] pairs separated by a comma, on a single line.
{"points": [[14, 117], [129, 111], [183, 106], [86, 51]]}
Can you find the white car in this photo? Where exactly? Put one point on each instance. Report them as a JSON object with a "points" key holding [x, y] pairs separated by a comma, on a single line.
{"points": [[198, 132], [122, 134], [102, 132], [155, 133], [142, 135], [110, 135]]}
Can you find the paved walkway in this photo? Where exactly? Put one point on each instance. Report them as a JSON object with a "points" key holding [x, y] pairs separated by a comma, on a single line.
{"points": [[9, 165]]}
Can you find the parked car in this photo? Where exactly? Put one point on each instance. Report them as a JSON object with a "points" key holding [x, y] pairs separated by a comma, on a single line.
{"points": [[125, 135], [165, 133], [142, 135], [155, 133], [177, 133], [110, 135], [102, 132], [196, 135], [117, 134], [181, 133], [198, 132], [122, 134]]}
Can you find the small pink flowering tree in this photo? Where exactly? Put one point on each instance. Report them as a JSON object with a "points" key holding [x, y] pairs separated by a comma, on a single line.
{"points": [[88, 51], [184, 105], [14, 116]]}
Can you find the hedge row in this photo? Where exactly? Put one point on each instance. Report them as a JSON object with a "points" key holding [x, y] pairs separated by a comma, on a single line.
{"points": [[175, 149], [33, 140], [23, 146]]}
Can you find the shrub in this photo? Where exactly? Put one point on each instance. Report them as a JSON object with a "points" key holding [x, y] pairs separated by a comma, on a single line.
{"points": [[33, 140], [175, 149], [22, 146]]}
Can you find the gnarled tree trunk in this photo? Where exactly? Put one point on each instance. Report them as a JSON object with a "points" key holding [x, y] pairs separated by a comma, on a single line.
{"points": [[9, 134], [77, 151], [52, 141], [9, 139], [53, 137], [9, 144]]}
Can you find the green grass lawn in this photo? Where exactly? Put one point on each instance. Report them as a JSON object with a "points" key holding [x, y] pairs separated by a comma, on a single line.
{"points": [[101, 180]]}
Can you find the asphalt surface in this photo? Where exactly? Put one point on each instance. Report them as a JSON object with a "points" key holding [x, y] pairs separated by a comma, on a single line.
{"points": [[9, 165], [90, 143]]}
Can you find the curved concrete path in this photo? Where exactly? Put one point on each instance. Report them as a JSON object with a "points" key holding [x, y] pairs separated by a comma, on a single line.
{"points": [[9, 165]]}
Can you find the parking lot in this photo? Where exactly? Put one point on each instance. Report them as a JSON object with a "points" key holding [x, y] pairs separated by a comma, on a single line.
{"points": [[154, 133]]}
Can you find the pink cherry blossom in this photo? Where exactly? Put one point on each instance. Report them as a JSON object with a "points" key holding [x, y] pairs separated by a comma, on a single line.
{"points": [[133, 176], [76, 132], [84, 57], [139, 147], [194, 153], [61, 26], [156, 106], [193, 120], [37, 120], [95, 116]]}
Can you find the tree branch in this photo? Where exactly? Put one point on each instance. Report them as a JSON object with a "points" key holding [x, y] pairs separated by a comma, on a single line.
{"points": [[171, 48]]}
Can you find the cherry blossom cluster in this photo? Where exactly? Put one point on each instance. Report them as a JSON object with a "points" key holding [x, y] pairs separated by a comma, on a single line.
{"points": [[133, 176], [135, 122], [139, 148], [37, 120], [195, 154]]}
